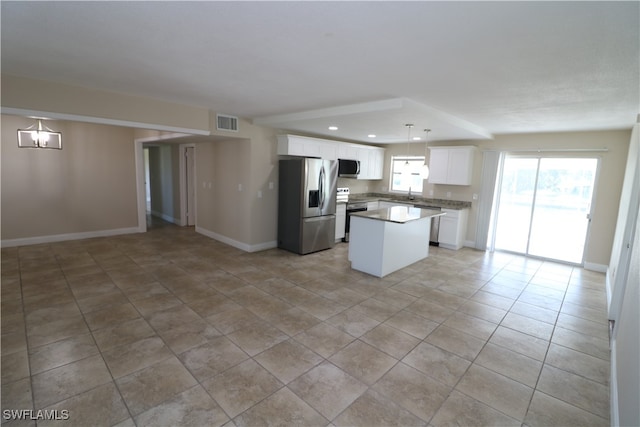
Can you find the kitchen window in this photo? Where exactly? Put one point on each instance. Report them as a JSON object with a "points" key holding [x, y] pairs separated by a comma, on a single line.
{"points": [[405, 174]]}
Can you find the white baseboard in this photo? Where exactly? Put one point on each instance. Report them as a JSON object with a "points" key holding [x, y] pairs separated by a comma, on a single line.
{"points": [[9, 243], [470, 244], [235, 243], [264, 246], [600, 268]]}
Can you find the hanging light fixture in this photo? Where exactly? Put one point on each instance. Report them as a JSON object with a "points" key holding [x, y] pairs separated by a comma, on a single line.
{"points": [[424, 170], [407, 165], [39, 136]]}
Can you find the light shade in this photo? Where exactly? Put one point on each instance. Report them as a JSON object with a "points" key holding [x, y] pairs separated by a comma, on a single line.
{"points": [[39, 136]]}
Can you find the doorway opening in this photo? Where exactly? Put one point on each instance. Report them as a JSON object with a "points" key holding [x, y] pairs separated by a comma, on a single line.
{"points": [[147, 184], [166, 182], [544, 206]]}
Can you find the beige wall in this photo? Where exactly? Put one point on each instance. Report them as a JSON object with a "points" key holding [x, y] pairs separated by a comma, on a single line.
{"points": [[221, 167], [608, 187], [263, 186], [87, 186], [247, 216], [38, 95]]}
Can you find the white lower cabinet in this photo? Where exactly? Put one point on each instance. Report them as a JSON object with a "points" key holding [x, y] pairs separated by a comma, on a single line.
{"points": [[341, 220], [453, 228]]}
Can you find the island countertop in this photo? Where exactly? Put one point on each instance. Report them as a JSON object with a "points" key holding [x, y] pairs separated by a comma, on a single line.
{"points": [[399, 214]]}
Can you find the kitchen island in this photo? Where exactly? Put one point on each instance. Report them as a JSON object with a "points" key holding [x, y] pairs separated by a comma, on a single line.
{"points": [[385, 240]]}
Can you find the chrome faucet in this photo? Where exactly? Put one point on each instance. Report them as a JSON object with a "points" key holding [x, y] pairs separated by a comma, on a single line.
{"points": [[410, 195]]}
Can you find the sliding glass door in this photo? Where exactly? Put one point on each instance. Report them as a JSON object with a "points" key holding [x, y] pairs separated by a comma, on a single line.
{"points": [[544, 206]]}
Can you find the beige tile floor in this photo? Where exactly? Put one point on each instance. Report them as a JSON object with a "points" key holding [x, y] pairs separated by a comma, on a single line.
{"points": [[172, 328]]}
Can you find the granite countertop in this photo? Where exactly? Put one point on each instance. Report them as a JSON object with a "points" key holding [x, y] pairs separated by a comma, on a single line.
{"points": [[418, 201], [399, 214]]}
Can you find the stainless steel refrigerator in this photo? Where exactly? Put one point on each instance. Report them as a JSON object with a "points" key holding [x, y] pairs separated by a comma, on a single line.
{"points": [[307, 204]]}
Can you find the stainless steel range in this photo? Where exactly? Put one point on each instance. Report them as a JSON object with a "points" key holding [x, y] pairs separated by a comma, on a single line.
{"points": [[351, 208]]}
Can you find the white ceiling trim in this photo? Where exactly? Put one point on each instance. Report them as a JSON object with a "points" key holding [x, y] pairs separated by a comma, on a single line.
{"points": [[364, 107], [401, 109], [451, 119], [100, 120]]}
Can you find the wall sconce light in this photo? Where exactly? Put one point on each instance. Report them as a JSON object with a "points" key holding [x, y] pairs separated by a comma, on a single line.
{"points": [[39, 136]]}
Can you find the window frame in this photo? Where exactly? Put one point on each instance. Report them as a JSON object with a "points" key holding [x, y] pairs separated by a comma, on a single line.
{"points": [[419, 161]]}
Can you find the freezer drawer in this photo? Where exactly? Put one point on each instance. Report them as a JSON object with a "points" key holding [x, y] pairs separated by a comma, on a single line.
{"points": [[318, 233]]}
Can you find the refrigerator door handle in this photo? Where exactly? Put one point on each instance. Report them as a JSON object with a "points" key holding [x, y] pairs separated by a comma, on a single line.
{"points": [[319, 218], [321, 188]]}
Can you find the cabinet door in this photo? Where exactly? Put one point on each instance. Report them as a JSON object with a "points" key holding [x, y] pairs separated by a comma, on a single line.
{"points": [[376, 158], [438, 165], [363, 156], [448, 234], [460, 162], [347, 151], [328, 151]]}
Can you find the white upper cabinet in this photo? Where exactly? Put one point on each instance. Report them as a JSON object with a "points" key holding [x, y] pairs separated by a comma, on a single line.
{"points": [[451, 165], [371, 162], [347, 151], [371, 158], [294, 145]]}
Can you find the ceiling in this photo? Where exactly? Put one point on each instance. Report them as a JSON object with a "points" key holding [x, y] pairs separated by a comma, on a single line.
{"points": [[465, 70]]}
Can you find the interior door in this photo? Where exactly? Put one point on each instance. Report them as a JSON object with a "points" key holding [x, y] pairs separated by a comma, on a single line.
{"points": [[544, 206]]}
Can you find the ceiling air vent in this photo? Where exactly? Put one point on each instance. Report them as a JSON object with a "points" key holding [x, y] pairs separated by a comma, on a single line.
{"points": [[229, 123]]}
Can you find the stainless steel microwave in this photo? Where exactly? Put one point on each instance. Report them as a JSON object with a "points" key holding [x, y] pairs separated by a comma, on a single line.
{"points": [[348, 168]]}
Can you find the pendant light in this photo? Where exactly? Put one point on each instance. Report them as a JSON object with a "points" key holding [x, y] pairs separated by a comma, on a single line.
{"points": [[424, 170], [39, 136], [407, 166]]}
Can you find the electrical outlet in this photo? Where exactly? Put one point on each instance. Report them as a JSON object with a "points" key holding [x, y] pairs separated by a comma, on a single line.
{"points": [[475, 196], [239, 187], [259, 194], [448, 194], [271, 185]]}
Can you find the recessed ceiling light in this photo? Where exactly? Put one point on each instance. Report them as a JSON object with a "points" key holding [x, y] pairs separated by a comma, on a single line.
{"points": [[416, 138], [371, 135], [333, 127]]}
